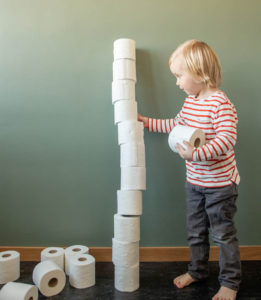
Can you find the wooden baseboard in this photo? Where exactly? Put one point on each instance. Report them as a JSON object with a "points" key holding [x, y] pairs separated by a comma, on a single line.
{"points": [[147, 254]]}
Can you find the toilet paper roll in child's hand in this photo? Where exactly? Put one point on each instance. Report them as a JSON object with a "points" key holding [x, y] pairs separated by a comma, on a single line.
{"points": [[182, 134]]}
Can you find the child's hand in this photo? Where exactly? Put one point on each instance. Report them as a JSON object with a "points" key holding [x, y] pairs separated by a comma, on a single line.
{"points": [[145, 120], [185, 153]]}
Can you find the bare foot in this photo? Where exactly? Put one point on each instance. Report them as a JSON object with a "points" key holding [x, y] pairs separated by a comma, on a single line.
{"points": [[225, 293], [183, 280]]}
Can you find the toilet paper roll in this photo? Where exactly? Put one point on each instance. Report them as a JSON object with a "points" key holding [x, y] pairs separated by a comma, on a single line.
{"points": [[179, 133], [19, 291], [123, 90], [129, 202], [82, 271], [125, 254], [127, 278], [130, 131], [49, 278], [133, 178], [132, 155], [125, 110], [9, 266], [55, 254], [127, 228], [124, 69], [124, 48], [71, 251]]}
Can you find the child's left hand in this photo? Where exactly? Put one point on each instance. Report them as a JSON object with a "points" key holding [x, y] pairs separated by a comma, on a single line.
{"points": [[185, 153]]}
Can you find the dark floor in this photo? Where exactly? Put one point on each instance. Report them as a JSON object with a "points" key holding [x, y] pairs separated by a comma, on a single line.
{"points": [[155, 283]]}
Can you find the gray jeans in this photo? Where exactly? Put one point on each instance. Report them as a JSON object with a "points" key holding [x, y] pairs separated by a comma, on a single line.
{"points": [[213, 208]]}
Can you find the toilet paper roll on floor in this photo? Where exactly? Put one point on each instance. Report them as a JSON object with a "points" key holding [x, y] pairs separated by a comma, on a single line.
{"points": [[19, 291], [125, 110], [132, 154], [125, 254], [71, 251], [55, 254], [82, 271], [9, 266], [130, 131], [126, 228], [179, 133], [49, 278], [124, 48], [133, 178], [129, 202], [123, 90], [124, 69], [127, 278]]}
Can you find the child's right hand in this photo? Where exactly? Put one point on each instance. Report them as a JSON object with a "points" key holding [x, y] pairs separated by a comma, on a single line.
{"points": [[145, 120]]}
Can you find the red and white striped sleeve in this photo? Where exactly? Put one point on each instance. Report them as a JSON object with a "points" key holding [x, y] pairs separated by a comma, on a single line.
{"points": [[166, 125], [225, 125]]}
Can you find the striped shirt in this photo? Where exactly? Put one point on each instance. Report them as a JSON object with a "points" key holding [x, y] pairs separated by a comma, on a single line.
{"points": [[213, 164]]}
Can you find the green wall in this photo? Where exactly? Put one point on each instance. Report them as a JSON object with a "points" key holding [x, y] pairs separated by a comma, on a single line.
{"points": [[59, 157]]}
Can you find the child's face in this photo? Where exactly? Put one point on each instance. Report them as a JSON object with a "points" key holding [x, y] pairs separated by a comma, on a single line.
{"points": [[185, 81]]}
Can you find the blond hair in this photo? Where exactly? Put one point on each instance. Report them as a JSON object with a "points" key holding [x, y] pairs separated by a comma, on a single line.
{"points": [[201, 61]]}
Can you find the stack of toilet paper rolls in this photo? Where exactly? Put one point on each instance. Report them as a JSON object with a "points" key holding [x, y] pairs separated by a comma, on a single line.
{"points": [[125, 244]]}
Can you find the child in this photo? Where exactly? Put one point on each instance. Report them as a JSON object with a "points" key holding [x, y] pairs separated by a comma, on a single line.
{"points": [[212, 175]]}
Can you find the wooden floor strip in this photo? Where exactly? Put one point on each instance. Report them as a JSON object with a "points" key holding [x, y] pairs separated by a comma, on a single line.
{"points": [[147, 254]]}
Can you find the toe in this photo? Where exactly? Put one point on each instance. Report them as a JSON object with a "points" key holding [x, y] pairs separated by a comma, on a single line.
{"points": [[176, 280], [178, 284]]}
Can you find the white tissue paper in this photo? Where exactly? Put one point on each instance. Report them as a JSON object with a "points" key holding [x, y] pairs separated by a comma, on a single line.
{"points": [[123, 90], [19, 291], [71, 251], [125, 110], [82, 271], [55, 254], [132, 155], [124, 69], [130, 131], [124, 48], [127, 228], [129, 202], [125, 254], [133, 178], [9, 266], [179, 133], [127, 278], [49, 278]]}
